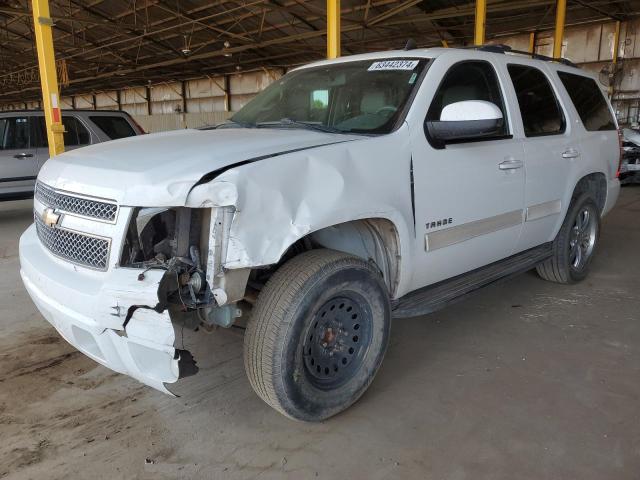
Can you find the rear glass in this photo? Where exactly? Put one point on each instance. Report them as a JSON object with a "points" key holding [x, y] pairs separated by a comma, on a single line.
{"points": [[589, 102], [114, 127]]}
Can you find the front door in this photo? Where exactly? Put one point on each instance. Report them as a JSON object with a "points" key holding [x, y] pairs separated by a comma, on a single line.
{"points": [[17, 158], [468, 195]]}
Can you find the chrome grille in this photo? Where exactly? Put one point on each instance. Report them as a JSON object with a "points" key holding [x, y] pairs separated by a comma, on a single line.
{"points": [[76, 247], [76, 205]]}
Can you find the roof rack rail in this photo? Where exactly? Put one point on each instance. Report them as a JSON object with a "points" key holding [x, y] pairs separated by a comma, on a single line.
{"points": [[499, 48]]}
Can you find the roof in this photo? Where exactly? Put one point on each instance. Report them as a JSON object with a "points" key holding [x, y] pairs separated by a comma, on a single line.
{"points": [[471, 52]]}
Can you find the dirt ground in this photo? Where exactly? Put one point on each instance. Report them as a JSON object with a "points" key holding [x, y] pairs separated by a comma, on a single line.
{"points": [[526, 380]]}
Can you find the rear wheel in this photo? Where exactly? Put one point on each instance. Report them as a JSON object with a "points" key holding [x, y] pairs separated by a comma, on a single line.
{"points": [[575, 244], [318, 334]]}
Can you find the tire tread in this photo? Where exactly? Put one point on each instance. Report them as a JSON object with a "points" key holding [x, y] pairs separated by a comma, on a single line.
{"points": [[269, 317], [556, 268]]}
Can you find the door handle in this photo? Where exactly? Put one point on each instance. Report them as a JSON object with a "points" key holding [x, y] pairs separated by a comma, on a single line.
{"points": [[23, 155], [571, 153], [511, 164]]}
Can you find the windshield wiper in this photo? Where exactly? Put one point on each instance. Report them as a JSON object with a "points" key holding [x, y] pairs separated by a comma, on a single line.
{"points": [[288, 122]]}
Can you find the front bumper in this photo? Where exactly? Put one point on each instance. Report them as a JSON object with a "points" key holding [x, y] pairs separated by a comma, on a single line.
{"points": [[89, 308]]}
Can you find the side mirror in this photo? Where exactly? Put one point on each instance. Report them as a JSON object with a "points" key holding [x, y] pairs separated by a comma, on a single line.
{"points": [[466, 120]]}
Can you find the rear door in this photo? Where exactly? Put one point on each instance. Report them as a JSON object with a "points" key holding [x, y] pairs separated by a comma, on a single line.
{"points": [[76, 135], [550, 149], [17, 157]]}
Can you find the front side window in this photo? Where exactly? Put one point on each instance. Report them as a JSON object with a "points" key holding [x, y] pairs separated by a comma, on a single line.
{"points": [[474, 80], [114, 127], [539, 107], [366, 96], [589, 102], [14, 133]]}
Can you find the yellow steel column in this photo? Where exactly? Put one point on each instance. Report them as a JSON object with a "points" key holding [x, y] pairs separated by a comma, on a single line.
{"points": [[333, 28], [46, 61], [616, 50], [561, 13], [616, 42], [481, 19], [532, 42]]}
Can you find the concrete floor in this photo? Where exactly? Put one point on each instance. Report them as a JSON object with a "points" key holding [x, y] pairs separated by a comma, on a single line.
{"points": [[527, 380]]}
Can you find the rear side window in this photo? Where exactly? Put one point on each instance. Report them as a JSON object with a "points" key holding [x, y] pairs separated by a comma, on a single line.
{"points": [[14, 133], [589, 102], [114, 127], [468, 81], [75, 132], [541, 113]]}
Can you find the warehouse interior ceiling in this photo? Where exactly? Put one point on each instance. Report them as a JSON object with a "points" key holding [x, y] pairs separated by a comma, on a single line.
{"points": [[109, 44]]}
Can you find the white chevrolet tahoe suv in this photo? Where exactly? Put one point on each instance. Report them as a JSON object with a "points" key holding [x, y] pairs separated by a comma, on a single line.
{"points": [[348, 192]]}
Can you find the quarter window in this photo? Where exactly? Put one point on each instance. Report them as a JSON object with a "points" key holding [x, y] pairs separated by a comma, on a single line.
{"points": [[468, 81], [541, 113], [114, 127], [589, 102]]}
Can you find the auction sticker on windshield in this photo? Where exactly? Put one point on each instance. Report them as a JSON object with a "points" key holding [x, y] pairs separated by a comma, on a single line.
{"points": [[393, 65]]}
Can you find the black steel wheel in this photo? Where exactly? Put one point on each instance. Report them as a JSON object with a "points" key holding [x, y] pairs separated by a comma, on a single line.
{"points": [[318, 333], [337, 340]]}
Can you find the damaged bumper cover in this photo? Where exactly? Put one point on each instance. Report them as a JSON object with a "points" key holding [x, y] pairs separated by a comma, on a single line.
{"points": [[89, 310]]}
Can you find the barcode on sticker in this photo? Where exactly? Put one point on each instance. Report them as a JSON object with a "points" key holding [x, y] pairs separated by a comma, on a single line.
{"points": [[393, 65]]}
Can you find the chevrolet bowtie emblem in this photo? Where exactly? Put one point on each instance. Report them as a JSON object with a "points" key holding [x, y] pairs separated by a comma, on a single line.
{"points": [[50, 218]]}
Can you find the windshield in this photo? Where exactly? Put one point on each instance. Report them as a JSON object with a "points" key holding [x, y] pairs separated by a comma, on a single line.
{"points": [[352, 97]]}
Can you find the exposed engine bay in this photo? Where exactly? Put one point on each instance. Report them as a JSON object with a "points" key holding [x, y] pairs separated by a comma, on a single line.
{"points": [[177, 240]]}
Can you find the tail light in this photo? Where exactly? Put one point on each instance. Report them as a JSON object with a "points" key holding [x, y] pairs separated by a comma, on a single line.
{"points": [[620, 138]]}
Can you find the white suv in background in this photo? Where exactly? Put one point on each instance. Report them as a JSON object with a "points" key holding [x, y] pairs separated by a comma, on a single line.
{"points": [[24, 147], [349, 192]]}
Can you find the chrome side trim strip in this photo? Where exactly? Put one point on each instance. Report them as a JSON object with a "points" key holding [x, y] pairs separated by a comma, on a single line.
{"points": [[467, 231], [541, 210]]}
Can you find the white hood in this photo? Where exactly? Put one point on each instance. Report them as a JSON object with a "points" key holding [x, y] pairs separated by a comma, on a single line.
{"points": [[160, 169]]}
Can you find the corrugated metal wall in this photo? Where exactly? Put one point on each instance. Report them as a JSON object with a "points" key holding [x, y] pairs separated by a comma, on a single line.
{"points": [[206, 101], [175, 121]]}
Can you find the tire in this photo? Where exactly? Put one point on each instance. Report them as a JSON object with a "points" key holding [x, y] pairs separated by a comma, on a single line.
{"points": [[318, 333], [563, 265]]}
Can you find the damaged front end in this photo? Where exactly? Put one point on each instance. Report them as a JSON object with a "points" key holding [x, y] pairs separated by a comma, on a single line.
{"points": [[195, 288], [161, 272]]}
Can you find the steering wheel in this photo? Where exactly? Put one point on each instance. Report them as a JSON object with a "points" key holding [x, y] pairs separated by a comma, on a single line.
{"points": [[387, 109]]}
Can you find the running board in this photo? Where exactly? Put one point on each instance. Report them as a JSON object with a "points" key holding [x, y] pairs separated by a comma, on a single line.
{"points": [[434, 297]]}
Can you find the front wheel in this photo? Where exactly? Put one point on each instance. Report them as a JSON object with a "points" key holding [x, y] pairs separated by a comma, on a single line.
{"points": [[318, 333], [575, 243]]}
